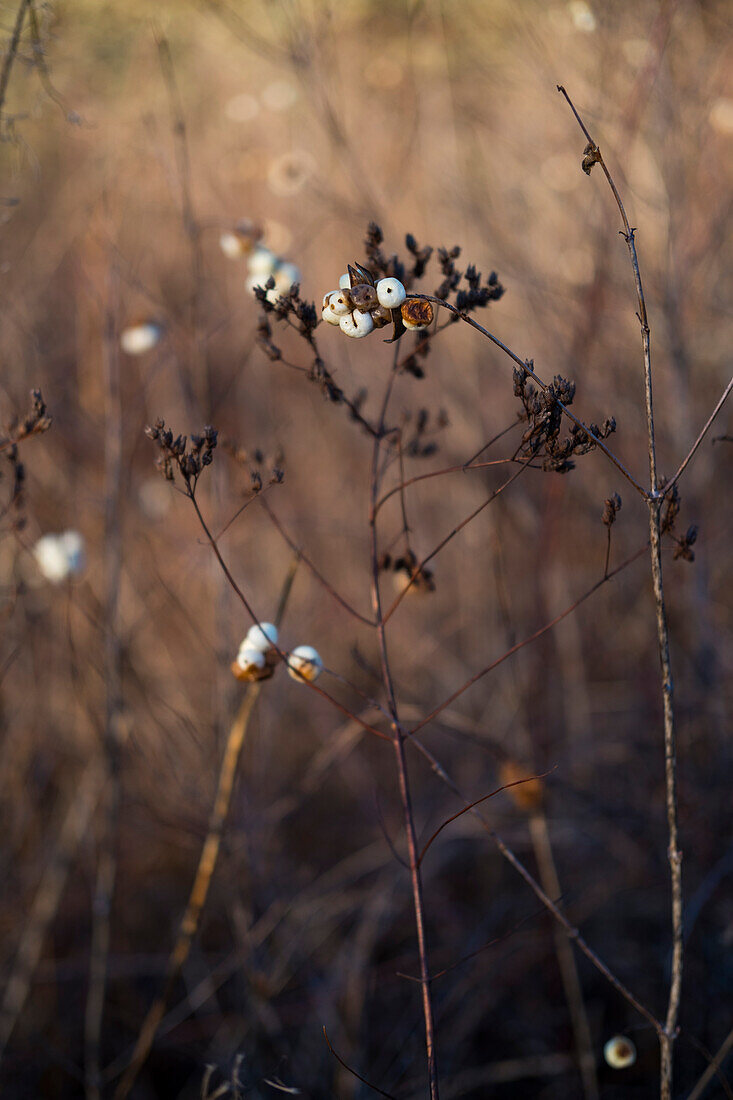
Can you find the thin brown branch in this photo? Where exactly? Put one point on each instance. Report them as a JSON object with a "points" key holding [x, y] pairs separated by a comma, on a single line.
{"points": [[398, 740], [451, 534], [439, 473], [313, 568], [654, 501], [708, 424], [526, 641], [549, 904], [713, 1069], [353, 1072], [478, 802], [12, 50]]}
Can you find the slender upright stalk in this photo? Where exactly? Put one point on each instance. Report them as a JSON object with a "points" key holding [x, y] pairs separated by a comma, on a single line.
{"points": [[398, 741], [107, 859], [655, 499]]}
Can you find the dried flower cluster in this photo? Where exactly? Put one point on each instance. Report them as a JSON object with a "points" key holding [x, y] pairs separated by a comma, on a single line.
{"points": [[175, 452], [545, 419]]}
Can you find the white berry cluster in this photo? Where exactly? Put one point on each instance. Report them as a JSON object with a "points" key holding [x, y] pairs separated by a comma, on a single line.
{"points": [[360, 305], [258, 656], [262, 263], [59, 557]]}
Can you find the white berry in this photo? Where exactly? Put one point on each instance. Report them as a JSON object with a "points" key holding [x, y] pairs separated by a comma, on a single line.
{"points": [[345, 281], [391, 293], [249, 659], [340, 303], [305, 663], [261, 636], [329, 316], [619, 1052]]}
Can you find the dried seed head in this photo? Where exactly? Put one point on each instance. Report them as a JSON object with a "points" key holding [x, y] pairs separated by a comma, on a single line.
{"points": [[526, 796], [364, 297], [391, 293], [416, 314], [619, 1052], [305, 663], [381, 316]]}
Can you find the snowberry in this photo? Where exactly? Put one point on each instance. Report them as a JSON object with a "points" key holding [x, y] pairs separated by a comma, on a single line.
{"points": [[619, 1052], [391, 293], [261, 636], [416, 314], [305, 663], [137, 339]]}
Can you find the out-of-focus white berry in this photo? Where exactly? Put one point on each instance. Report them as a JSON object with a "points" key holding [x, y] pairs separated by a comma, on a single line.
{"points": [[137, 339], [619, 1052], [305, 663], [261, 636], [262, 262], [73, 546], [345, 281], [249, 659], [288, 273], [391, 293], [236, 243], [60, 556]]}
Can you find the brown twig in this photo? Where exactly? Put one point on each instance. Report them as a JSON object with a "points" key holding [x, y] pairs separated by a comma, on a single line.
{"points": [[12, 50], [526, 641], [107, 861], [654, 500], [549, 904], [714, 1068], [703, 432], [398, 740], [352, 1071]]}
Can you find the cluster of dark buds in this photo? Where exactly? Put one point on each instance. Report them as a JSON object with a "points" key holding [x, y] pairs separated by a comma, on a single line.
{"points": [[35, 422], [418, 443], [190, 461], [544, 419], [256, 462], [683, 543], [405, 571], [611, 508]]}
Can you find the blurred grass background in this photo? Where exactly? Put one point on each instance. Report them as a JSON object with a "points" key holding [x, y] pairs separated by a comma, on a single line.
{"points": [[442, 120]]}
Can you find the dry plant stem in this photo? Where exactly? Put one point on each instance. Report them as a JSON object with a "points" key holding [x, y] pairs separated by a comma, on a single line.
{"points": [[714, 1068], [398, 740], [708, 424], [654, 502], [531, 638], [191, 229], [549, 904], [44, 906], [440, 473], [107, 861], [543, 385], [12, 50], [540, 835], [199, 890], [314, 570]]}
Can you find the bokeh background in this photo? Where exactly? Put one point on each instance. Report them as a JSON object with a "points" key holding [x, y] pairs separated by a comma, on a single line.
{"points": [[312, 119]]}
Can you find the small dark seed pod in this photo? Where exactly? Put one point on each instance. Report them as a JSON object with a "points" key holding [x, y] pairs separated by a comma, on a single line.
{"points": [[364, 297]]}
